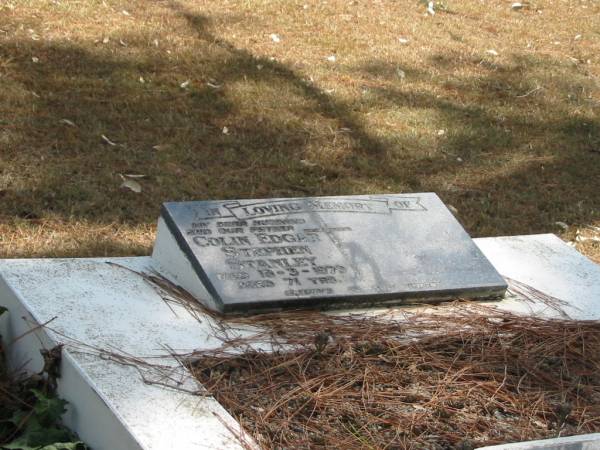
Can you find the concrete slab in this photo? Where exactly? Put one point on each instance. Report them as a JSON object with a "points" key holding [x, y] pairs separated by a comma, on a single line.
{"points": [[106, 306], [551, 266], [585, 442]]}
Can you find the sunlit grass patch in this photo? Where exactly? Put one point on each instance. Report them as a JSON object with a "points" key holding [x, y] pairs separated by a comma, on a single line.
{"points": [[494, 109]]}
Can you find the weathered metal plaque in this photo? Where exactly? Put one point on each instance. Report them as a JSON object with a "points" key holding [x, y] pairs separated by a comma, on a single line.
{"points": [[329, 251]]}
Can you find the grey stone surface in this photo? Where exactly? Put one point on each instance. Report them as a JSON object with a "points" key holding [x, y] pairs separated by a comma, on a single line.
{"points": [[329, 251], [581, 442]]}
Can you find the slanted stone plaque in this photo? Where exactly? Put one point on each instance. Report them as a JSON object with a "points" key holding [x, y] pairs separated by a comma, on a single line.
{"points": [[252, 255]]}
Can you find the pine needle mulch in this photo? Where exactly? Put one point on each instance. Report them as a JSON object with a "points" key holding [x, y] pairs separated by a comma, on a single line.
{"points": [[459, 377]]}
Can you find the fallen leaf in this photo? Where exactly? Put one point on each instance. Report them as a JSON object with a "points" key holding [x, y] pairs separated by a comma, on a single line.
{"points": [[587, 239], [122, 42], [331, 58], [185, 84], [401, 74], [563, 225], [403, 41], [105, 40], [142, 80], [577, 37], [275, 38], [35, 59], [259, 66], [214, 85], [431, 8], [130, 184], [125, 13], [516, 6], [492, 52], [160, 147], [441, 132], [108, 141], [68, 122], [155, 42], [225, 130], [134, 175], [307, 163]]}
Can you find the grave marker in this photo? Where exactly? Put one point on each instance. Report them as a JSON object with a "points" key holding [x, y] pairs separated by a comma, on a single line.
{"points": [[253, 255]]}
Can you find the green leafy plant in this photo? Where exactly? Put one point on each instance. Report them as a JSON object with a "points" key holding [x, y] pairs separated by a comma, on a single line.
{"points": [[30, 413], [41, 427]]}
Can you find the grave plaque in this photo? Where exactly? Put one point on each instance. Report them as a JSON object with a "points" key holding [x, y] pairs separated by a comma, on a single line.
{"points": [[266, 254]]}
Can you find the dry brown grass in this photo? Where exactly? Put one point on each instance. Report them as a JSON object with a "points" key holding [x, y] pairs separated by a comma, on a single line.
{"points": [[518, 152]]}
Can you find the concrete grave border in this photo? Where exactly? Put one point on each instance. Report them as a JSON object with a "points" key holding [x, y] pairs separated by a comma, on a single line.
{"points": [[105, 306]]}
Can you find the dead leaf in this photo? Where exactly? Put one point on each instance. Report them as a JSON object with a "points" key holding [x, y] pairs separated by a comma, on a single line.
{"points": [[185, 84], [430, 8], [307, 163], [108, 141], [492, 52], [105, 40], [563, 225], [225, 130], [68, 122], [130, 184], [214, 85], [331, 58], [35, 59], [275, 38], [160, 147], [587, 239]]}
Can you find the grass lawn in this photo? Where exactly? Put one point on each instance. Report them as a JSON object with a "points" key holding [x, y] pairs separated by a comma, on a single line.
{"points": [[495, 109]]}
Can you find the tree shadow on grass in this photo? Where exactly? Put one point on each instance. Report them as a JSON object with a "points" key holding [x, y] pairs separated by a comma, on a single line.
{"points": [[517, 147], [247, 126], [94, 115]]}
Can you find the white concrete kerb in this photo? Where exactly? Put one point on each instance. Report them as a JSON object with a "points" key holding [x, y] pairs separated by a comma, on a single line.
{"points": [[105, 306]]}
